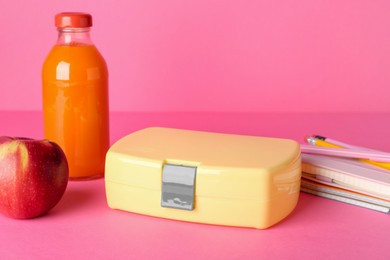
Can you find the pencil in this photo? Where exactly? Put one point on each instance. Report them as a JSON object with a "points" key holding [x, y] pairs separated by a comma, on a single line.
{"points": [[319, 142]]}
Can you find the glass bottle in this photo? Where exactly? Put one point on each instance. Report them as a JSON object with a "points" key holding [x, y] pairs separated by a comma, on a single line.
{"points": [[75, 97]]}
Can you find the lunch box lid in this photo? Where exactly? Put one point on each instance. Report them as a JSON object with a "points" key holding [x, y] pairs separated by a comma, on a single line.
{"points": [[230, 166]]}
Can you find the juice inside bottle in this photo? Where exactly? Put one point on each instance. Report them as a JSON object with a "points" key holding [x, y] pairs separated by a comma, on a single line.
{"points": [[75, 106]]}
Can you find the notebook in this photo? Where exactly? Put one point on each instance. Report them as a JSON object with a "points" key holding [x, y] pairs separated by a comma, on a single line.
{"points": [[345, 196], [347, 174]]}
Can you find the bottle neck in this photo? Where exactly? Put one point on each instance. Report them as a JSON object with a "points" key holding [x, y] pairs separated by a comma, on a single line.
{"points": [[74, 36]]}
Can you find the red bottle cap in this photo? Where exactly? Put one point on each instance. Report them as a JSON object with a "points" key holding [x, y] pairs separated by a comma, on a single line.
{"points": [[73, 20]]}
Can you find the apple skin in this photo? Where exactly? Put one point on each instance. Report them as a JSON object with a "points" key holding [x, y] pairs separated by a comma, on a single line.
{"points": [[33, 176]]}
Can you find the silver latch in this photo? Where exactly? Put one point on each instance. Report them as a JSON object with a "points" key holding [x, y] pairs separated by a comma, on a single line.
{"points": [[178, 186]]}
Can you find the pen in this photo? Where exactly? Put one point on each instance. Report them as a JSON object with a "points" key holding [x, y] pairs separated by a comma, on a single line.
{"points": [[319, 142]]}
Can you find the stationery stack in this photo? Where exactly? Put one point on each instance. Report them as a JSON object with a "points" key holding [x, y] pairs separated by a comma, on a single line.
{"points": [[346, 173]]}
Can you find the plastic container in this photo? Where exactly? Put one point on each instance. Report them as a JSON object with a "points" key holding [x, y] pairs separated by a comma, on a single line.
{"points": [[204, 177], [75, 97]]}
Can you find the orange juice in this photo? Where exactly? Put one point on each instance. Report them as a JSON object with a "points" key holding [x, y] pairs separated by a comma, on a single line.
{"points": [[75, 106]]}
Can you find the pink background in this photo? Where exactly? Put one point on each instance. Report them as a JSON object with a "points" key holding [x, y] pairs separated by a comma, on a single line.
{"points": [[209, 55], [218, 57], [82, 226]]}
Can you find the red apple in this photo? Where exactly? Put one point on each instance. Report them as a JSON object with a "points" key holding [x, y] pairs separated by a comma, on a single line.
{"points": [[33, 176]]}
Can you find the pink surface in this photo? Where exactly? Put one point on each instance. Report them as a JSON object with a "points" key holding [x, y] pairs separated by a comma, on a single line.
{"points": [[203, 55], [81, 226], [212, 57]]}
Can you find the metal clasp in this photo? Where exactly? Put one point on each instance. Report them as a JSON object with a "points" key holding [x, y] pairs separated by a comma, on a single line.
{"points": [[178, 186]]}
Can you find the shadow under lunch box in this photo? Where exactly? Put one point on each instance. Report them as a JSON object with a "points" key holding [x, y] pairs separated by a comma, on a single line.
{"points": [[204, 177]]}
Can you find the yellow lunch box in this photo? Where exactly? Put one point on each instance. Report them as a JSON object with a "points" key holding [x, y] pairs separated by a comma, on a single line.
{"points": [[204, 177]]}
